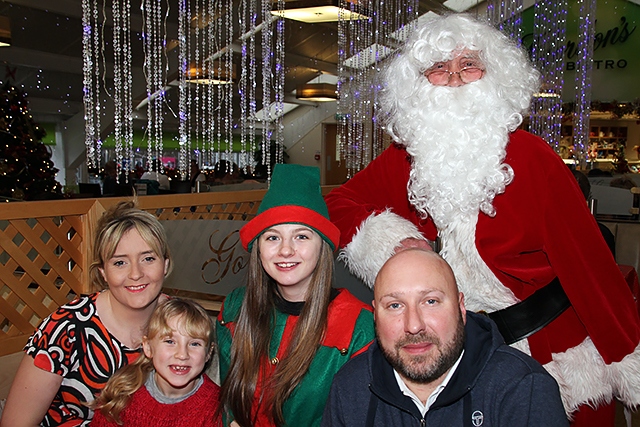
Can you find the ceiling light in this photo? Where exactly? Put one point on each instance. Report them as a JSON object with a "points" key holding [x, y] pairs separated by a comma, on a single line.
{"points": [[547, 90], [216, 74], [317, 92], [319, 11], [546, 95], [5, 31]]}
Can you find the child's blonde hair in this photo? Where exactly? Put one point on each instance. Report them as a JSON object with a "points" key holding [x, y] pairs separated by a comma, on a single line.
{"points": [[118, 391]]}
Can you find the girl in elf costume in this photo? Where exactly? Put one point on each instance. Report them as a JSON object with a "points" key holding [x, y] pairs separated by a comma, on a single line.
{"points": [[284, 336], [165, 386]]}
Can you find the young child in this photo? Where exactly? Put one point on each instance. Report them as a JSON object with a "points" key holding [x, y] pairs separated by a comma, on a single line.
{"points": [[166, 385]]}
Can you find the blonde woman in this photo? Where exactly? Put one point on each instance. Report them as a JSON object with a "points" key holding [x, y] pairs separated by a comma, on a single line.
{"points": [[76, 349]]}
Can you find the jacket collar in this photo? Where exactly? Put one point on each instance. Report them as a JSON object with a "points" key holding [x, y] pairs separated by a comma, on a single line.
{"points": [[481, 340]]}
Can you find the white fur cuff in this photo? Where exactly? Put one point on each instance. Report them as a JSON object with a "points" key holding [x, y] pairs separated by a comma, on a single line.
{"points": [[625, 377], [584, 378], [374, 243]]}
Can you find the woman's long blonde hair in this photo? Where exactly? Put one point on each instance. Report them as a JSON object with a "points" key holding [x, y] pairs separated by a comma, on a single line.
{"points": [[117, 393], [252, 337]]}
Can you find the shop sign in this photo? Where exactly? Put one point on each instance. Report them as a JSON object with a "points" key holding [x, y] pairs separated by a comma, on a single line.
{"points": [[616, 43]]}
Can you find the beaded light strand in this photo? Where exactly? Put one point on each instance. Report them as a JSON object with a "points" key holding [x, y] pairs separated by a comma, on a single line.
{"points": [[267, 38], [209, 92], [252, 84], [243, 25], [117, 90], [184, 134], [507, 17], [362, 46], [127, 93], [584, 68], [155, 73], [348, 111], [550, 24], [198, 116], [122, 86], [227, 74], [279, 83], [219, 93], [213, 134], [98, 58], [341, 116], [91, 86]]}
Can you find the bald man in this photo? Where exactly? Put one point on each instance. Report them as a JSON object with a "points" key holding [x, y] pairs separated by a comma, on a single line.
{"points": [[435, 364]]}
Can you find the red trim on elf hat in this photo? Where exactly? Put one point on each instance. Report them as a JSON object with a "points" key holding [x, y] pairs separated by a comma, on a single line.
{"points": [[290, 214]]}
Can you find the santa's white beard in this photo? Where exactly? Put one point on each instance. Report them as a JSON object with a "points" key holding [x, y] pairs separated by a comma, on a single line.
{"points": [[457, 139]]}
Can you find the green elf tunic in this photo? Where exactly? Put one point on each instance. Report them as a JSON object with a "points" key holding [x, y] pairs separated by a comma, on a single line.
{"points": [[349, 332]]}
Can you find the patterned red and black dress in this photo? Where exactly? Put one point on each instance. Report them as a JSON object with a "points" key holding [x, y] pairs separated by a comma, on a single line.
{"points": [[73, 343]]}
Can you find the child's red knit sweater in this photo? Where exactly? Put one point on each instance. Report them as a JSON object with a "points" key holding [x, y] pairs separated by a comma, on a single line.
{"points": [[143, 410]]}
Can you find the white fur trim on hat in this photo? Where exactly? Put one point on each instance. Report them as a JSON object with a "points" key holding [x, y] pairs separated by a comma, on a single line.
{"points": [[374, 243]]}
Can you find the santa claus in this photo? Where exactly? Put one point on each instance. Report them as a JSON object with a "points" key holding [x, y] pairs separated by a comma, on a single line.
{"points": [[504, 209]]}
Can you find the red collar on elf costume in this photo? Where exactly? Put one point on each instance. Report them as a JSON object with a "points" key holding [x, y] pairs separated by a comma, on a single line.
{"points": [[294, 197]]}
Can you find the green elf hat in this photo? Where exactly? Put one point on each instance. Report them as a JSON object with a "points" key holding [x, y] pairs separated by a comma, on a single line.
{"points": [[294, 197]]}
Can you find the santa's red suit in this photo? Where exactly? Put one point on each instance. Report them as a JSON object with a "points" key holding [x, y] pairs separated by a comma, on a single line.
{"points": [[542, 230]]}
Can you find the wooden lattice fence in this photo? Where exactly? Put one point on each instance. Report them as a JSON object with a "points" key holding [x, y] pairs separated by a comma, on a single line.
{"points": [[45, 247]]}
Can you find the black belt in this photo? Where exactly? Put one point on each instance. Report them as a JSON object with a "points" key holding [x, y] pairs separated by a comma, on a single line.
{"points": [[527, 317]]}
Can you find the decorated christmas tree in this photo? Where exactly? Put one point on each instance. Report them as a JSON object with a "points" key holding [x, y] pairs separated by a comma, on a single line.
{"points": [[26, 169]]}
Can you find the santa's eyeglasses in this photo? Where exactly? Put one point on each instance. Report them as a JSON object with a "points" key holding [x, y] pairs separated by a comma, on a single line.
{"points": [[470, 69], [439, 75]]}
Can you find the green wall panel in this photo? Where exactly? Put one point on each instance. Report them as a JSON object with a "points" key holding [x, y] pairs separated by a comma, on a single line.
{"points": [[617, 43]]}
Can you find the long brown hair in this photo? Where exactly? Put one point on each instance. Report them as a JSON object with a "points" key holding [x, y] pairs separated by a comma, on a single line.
{"points": [[117, 393], [252, 337]]}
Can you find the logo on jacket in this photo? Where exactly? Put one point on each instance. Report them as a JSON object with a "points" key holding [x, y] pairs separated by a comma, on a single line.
{"points": [[477, 418]]}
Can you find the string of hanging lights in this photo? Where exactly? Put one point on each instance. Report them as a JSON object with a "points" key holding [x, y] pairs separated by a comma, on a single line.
{"points": [[122, 82], [584, 68], [507, 17], [184, 129], [367, 34], [155, 69], [550, 26], [91, 81]]}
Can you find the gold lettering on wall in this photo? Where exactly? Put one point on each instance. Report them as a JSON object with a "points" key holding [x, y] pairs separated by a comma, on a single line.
{"points": [[228, 256]]}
